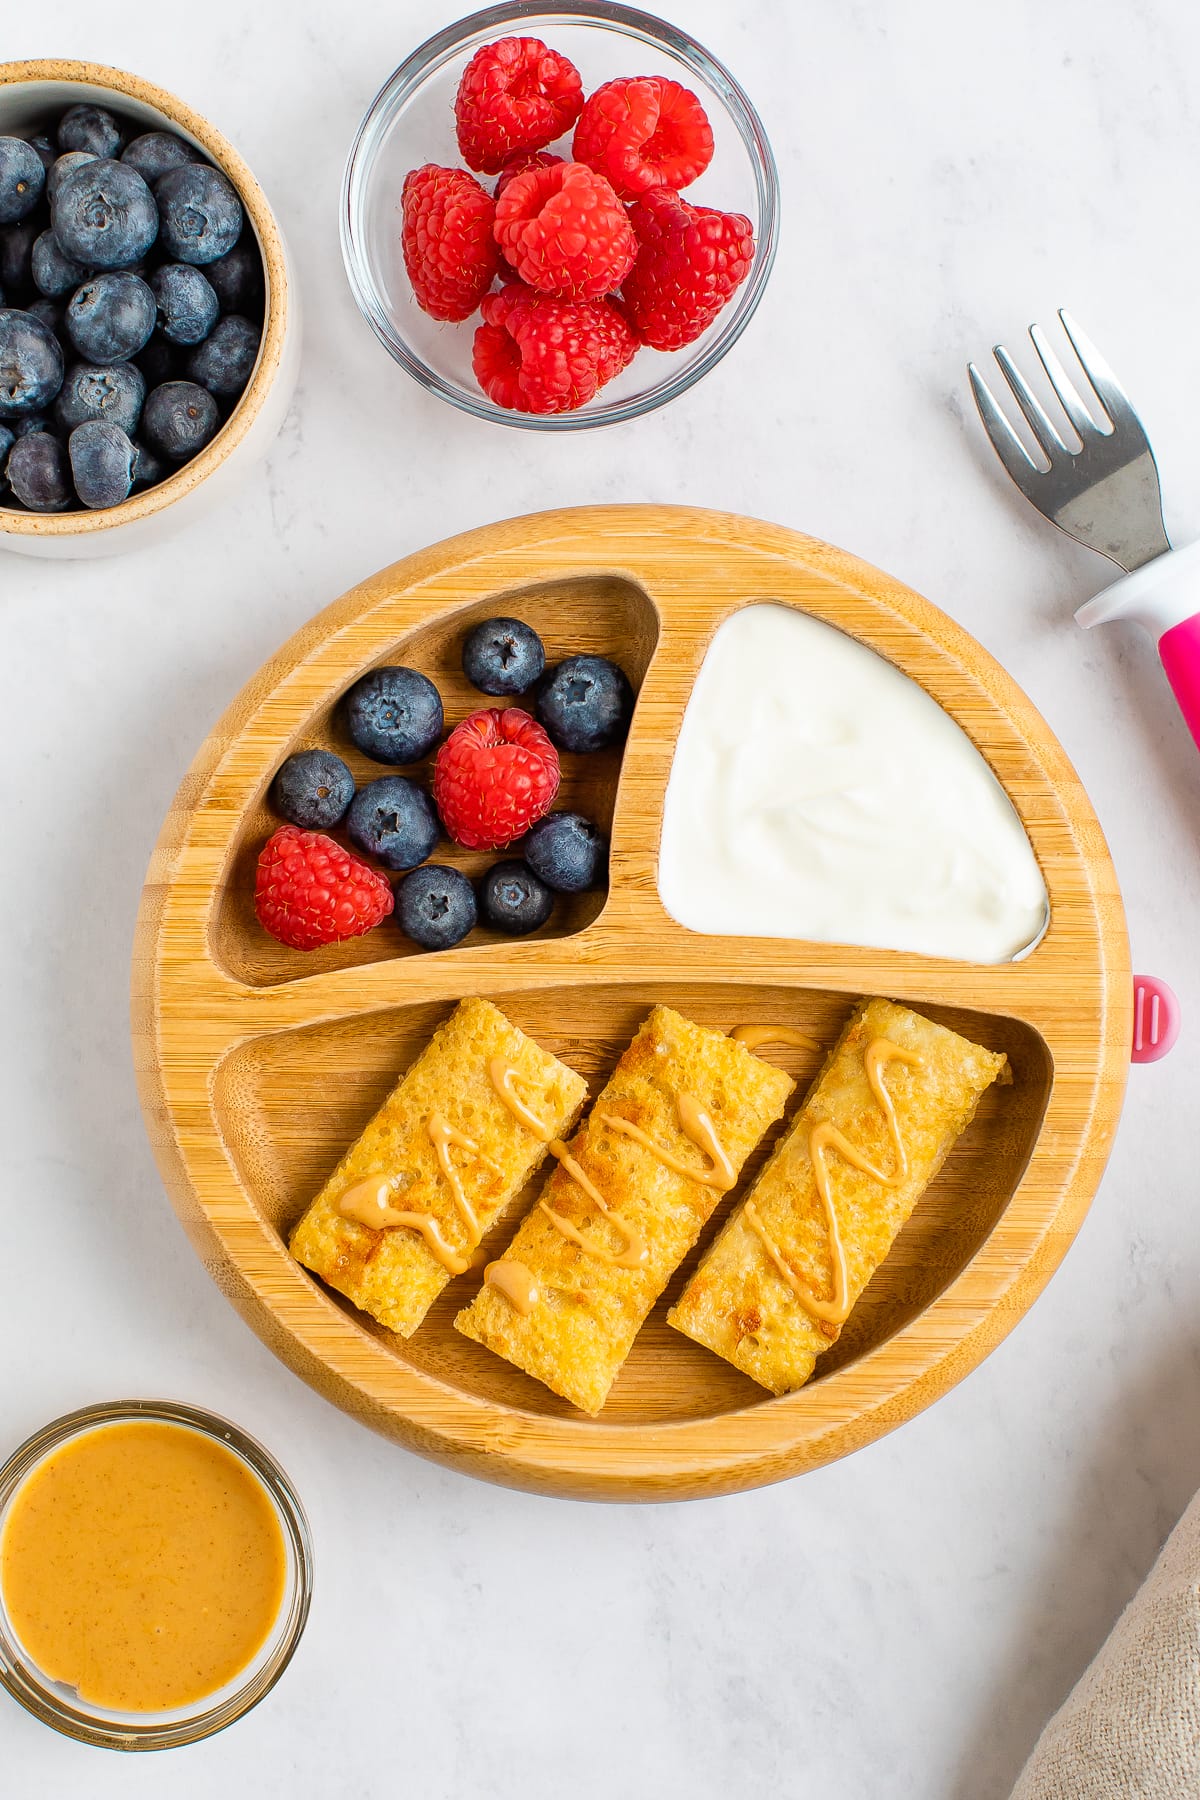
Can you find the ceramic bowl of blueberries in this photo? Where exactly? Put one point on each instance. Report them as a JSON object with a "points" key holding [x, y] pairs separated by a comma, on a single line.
{"points": [[417, 120], [149, 337]]}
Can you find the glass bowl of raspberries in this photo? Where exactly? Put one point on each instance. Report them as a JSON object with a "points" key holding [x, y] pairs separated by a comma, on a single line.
{"points": [[559, 217]]}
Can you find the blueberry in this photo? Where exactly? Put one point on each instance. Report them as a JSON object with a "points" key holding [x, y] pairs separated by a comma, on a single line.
{"points": [[102, 459], [110, 318], [104, 215], [44, 150], [200, 211], [187, 305], [585, 703], [16, 256], [22, 179], [393, 819], [155, 153], [568, 852], [503, 656], [115, 393], [8, 438], [37, 473], [394, 715], [34, 422], [312, 789], [91, 128], [224, 360], [31, 363], [64, 166], [53, 273], [514, 899], [158, 362], [435, 907], [237, 280], [147, 468], [179, 420], [50, 313]]}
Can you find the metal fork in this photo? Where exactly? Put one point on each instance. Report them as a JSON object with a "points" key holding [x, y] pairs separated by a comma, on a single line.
{"points": [[1106, 494]]}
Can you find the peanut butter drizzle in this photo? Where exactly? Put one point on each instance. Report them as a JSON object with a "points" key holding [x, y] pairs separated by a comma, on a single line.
{"points": [[441, 1136], [826, 1136], [504, 1079], [755, 1036], [367, 1204], [695, 1124], [512, 1279], [634, 1250]]}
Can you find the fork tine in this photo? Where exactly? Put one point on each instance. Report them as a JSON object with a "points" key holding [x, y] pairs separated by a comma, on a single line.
{"points": [[1005, 442], [1068, 395], [1030, 405], [1112, 395]]}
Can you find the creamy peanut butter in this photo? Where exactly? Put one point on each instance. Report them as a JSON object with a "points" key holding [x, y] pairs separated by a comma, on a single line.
{"points": [[442, 1136], [826, 1136], [756, 1036], [512, 1279], [142, 1564], [694, 1122], [367, 1203]]}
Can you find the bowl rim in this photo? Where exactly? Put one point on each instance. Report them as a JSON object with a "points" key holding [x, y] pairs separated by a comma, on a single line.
{"points": [[29, 1687], [649, 28], [1075, 991], [152, 500]]}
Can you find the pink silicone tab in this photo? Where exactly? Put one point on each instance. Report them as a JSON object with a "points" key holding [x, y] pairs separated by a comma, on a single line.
{"points": [[1179, 649], [1155, 1019]]}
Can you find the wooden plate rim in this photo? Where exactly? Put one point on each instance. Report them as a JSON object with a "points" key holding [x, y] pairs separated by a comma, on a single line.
{"points": [[1074, 989]]}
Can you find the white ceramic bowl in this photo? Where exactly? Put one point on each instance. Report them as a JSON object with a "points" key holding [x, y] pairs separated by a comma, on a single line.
{"points": [[30, 94]]}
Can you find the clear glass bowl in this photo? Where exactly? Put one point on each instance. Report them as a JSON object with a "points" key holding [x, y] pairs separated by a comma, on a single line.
{"points": [[60, 1706], [412, 122]]}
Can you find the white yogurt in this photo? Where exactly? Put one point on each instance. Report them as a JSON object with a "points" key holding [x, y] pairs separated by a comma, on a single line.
{"points": [[817, 792]]}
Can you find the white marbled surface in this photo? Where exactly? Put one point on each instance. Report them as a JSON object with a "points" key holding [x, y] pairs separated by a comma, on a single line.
{"points": [[898, 1625]]}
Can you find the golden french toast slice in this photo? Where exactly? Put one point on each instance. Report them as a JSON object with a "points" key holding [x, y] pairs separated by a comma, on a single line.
{"points": [[775, 1288], [444, 1148], [598, 1248]]}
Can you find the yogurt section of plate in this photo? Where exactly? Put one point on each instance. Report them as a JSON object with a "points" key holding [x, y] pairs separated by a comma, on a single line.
{"points": [[817, 792]]}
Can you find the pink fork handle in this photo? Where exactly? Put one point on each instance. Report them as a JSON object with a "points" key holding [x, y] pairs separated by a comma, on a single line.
{"points": [[1161, 596], [1179, 649]]}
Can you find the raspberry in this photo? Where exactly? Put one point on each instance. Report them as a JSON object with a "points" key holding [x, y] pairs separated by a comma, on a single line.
{"points": [[495, 776], [644, 132], [538, 355], [690, 260], [565, 232], [618, 345], [449, 249], [521, 165], [514, 95], [309, 891]]}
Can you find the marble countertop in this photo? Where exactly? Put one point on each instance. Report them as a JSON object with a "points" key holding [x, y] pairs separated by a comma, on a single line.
{"points": [[901, 1623]]}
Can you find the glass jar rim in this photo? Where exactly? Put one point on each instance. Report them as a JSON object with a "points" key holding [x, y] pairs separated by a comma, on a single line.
{"points": [[431, 56], [25, 1682]]}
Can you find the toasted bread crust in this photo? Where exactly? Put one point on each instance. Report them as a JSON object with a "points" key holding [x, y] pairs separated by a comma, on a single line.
{"points": [[737, 1303], [580, 1332], [392, 1274]]}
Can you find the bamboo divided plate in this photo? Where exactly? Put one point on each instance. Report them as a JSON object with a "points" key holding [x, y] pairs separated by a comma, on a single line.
{"points": [[258, 1065]]}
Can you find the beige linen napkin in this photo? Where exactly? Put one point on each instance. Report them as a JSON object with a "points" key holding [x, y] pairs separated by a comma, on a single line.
{"points": [[1132, 1725]]}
